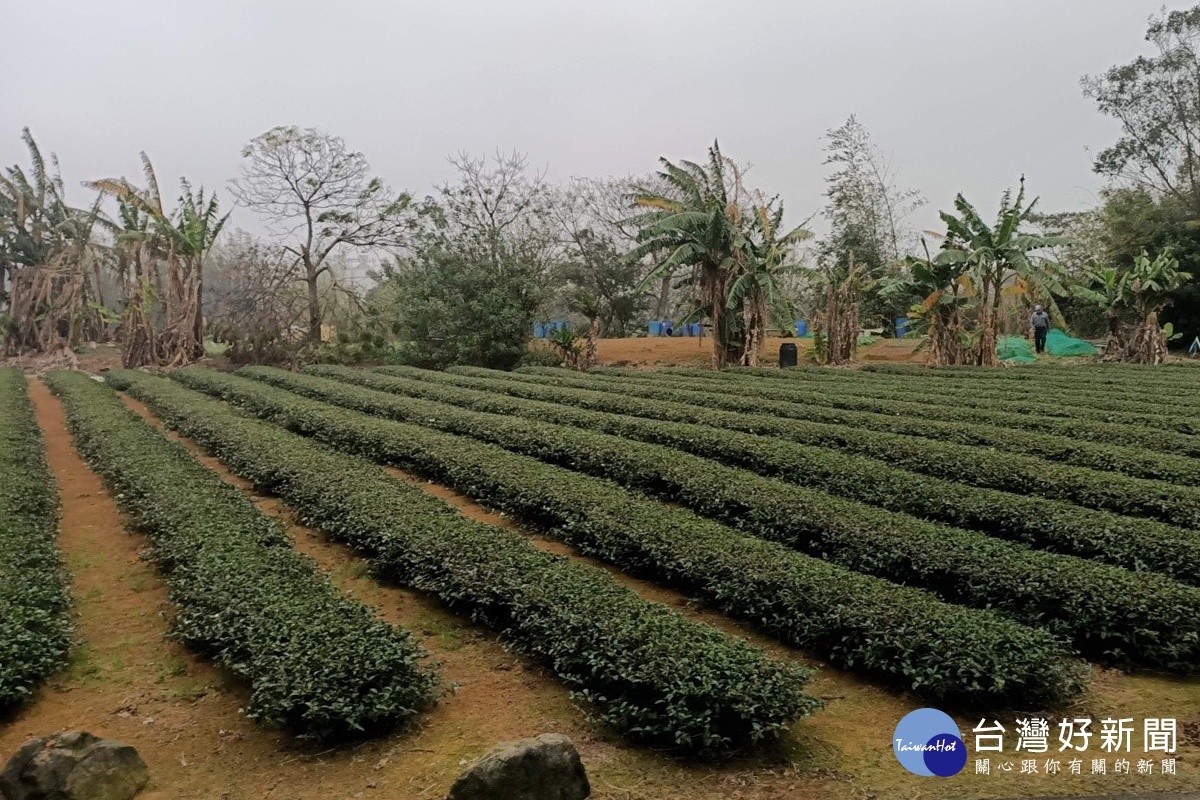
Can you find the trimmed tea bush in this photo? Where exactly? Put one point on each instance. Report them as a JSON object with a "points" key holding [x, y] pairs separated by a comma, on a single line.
{"points": [[651, 673], [901, 635], [1107, 612], [35, 629], [317, 662]]}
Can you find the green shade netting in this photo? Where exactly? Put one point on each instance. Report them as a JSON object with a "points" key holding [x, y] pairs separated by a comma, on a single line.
{"points": [[1016, 349], [1060, 344]]}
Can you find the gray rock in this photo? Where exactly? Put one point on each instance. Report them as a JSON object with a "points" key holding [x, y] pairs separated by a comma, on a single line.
{"points": [[545, 768], [73, 766]]}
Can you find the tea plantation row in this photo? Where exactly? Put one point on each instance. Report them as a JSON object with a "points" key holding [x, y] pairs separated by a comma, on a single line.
{"points": [[679, 401], [898, 634], [35, 630], [316, 662], [1140, 403], [857, 392], [1052, 525], [649, 672], [1107, 612]]}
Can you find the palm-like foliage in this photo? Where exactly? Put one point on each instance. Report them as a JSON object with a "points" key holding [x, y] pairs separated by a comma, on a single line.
{"points": [[997, 255], [162, 322], [946, 290], [1150, 282], [1107, 289], [1131, 300], [705, 222], [49, 258]]}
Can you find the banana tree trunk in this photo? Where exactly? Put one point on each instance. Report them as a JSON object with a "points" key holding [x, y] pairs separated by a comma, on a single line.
{"points": [[1114, 345], [590, 358], [664, 297], [987, 337], [1148, 344]]}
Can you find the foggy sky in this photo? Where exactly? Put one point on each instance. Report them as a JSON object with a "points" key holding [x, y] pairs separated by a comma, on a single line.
{"points": [[965, 95]]}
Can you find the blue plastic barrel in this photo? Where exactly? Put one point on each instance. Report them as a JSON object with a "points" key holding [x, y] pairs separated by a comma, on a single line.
{"points": [[697, 329], [559, 324], [801, 327], [655, 328], [901, 327], [539, 330]]}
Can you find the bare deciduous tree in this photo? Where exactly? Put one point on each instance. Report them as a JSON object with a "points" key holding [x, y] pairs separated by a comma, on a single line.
{"points": [[322, 197], [253, 302], [598, 239]]}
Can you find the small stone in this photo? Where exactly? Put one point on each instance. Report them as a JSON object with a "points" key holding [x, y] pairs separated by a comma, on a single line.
{"points": [[74, 766], [544, 768]]}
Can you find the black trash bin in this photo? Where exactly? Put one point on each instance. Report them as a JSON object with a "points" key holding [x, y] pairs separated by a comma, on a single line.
{"points": [[787, 355]]}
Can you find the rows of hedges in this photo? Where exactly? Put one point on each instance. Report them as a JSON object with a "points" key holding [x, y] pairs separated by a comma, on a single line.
{"points": [[1147, 406], [1142, 402], [900, 635], [1118, 375], [317, 662], [857, 391], [695, 401], [651, 673], [1108, 612], [1045, 524], [871, 396], [1172, 379], [35, 629]]}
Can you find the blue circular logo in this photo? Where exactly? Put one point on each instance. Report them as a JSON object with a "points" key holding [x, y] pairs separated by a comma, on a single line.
{"points": [[927, 742]]}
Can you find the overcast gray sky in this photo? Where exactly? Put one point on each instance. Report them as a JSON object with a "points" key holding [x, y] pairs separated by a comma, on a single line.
{"points": [[964, 94]]}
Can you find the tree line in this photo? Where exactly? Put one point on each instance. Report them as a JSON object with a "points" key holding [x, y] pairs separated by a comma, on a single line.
{"points": [[459, 276]]}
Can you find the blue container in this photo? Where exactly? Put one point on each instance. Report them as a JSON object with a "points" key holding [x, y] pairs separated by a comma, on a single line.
{"points": [[539, 330], [559, 324], [801, 327], [655, 328], [901, 327], [694, 329]]}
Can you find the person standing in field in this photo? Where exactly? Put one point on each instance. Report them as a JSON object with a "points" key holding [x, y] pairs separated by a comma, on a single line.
{"points": [[1041, 326]]}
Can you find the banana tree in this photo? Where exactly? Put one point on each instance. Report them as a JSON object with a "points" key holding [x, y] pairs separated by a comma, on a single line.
{"points": [[50, 260], [1131, 300], [589, 305], [1107, 289], [946, 290], [998, 256], [163, 322], [706, 222], [755, 293], [1149, 284]]}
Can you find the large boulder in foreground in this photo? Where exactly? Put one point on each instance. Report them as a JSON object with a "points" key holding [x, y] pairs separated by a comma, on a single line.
{"points": [[73, 766], [544, 768]]}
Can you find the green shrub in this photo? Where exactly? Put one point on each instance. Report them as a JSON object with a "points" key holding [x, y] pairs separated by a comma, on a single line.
{"points": [[1042, 523], [317, 662], [1107, 612], [35, 629], [1161, 408], [889, 398], [539, 354], [847, 618], [677, 401], [1142, 401], [651, 674]]}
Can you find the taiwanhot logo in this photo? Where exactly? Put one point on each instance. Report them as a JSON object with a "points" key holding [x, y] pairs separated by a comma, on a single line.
{"points": [[927, 742]]}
